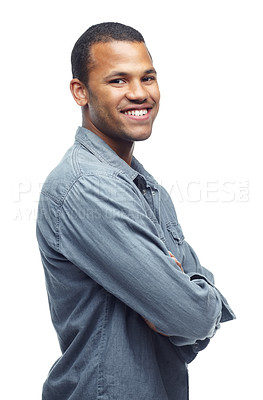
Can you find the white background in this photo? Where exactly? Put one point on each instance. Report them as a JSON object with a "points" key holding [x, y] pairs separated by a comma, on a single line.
{"points": [[205, 149]]}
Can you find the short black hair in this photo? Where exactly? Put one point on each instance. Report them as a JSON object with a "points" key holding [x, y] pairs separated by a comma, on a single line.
{"points": [[99, 33]]}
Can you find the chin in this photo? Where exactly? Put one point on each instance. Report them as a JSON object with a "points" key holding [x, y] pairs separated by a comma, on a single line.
{"points": [[139, 137]]}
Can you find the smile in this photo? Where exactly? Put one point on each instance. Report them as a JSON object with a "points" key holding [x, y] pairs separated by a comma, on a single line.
{"points": [[136, 113]]}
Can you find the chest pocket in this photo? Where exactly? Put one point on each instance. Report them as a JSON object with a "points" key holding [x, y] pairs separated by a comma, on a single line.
{"points": [[175, 232]]}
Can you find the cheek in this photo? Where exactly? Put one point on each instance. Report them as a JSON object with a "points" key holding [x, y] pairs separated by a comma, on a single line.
{"points": [[103, 114], [156, 94], [106, 103], [97, 107]]}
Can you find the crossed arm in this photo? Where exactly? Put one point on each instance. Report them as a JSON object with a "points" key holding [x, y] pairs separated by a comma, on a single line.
{"points": [[150, 324], [138, 269]]}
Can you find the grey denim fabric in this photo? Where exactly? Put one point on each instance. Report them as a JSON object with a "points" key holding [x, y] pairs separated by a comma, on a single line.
{"points": [[104, 231]]}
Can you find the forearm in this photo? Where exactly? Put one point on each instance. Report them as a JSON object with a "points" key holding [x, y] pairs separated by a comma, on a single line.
{"points": [[181, 340], [137, 268]]}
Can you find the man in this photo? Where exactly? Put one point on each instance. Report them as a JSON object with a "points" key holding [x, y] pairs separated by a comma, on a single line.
{"points": [[129, 300]]}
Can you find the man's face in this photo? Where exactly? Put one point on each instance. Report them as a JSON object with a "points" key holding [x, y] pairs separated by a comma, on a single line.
{"points": [[123, 94]]}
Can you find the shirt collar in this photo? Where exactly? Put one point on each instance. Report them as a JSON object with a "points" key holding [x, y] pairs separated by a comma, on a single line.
{"points": [[105, 154]]}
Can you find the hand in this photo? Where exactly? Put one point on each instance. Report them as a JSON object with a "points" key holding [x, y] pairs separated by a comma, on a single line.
{"points": [[175, 259], [152, 326]]}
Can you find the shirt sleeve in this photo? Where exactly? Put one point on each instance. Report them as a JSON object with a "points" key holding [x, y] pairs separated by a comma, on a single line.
{"points": [[195, 270], [104, 230]]}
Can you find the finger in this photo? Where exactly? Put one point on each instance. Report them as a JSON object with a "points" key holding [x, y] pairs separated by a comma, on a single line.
{"points": [[175, 259]]}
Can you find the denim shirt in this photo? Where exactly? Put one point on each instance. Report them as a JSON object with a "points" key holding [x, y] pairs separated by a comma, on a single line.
{"points": [[105, 230]]}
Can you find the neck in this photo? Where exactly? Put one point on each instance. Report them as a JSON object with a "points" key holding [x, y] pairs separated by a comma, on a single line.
{"points": [[123, 148]]}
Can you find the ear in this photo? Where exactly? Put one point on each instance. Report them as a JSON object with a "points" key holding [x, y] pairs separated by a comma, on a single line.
{"points": [[79, 92]]}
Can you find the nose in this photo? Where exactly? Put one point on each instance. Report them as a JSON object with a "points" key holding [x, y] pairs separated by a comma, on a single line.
{"points": [[137, 92]]}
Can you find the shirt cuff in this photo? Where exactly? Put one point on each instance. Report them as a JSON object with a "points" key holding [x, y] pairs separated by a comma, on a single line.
{"points": [[189, 352], [227, 314]]}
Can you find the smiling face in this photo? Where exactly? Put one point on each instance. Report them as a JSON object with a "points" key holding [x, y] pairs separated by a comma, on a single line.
{"points": [[122, 95]]}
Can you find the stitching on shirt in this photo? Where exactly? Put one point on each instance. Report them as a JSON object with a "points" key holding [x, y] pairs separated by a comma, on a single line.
{"points": [[133, 186], [117, 174], [57, 229], [96, 153], [101, 348], [59, 210], [76, 165], [51, 197], [59, 200], [101, 158], [92, 149], [72, 184], [175, 231]]}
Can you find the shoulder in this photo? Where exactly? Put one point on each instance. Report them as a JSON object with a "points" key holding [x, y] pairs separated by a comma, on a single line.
{"points": [[82, 171]]}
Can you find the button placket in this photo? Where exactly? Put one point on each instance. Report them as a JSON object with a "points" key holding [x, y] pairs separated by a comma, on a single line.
{"points": [[156, 203]]}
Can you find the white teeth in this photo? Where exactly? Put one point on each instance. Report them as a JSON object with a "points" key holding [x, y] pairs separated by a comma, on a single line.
{"points": [[136, 113]]}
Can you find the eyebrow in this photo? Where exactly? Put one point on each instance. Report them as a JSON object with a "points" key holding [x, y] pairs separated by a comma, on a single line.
{"points": [[119, 73]]}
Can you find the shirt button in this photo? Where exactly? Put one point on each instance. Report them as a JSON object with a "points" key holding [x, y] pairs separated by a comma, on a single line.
{"points": [[153, 192], [196, 347], [144, 191]]}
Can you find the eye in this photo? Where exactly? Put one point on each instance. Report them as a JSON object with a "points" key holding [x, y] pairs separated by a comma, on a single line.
{"points": [[148, 79], [118, 81]]}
